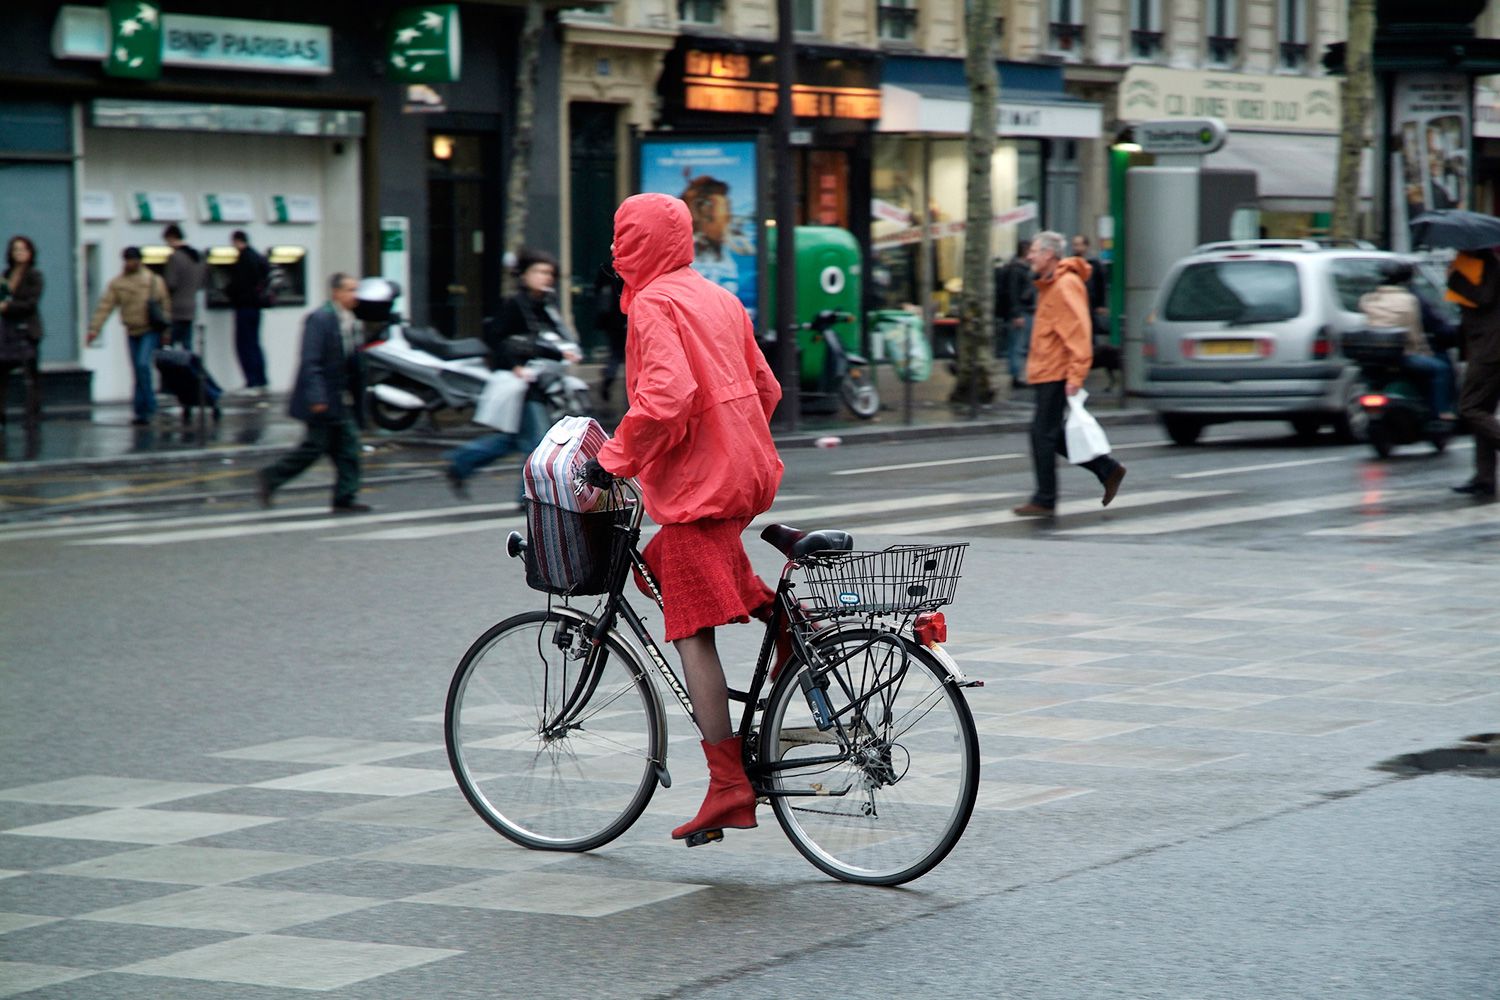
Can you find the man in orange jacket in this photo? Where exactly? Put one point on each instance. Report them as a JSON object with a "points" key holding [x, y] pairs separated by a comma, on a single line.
{"points": [[1062, 350]]}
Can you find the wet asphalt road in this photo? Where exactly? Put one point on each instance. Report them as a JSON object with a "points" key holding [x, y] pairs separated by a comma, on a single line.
{"points": [[1187, 696]]}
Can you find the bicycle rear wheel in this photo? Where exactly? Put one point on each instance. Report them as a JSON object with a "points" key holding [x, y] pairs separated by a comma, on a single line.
{"points": [[550, 758], [894, 783]]}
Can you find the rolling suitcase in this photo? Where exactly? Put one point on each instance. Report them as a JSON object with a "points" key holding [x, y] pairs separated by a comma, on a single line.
{"points": [[183, 375]]}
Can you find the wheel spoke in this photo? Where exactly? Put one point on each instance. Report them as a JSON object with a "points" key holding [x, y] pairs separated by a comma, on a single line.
{"points": [[542, 779]]}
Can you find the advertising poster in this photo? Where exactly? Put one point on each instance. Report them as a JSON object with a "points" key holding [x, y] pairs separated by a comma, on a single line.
{"points": [[718, 181], [1432, 130]]}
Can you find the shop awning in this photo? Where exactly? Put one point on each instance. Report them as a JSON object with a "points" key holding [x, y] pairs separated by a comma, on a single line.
{"points": [[942, 109], [1296, 171]]}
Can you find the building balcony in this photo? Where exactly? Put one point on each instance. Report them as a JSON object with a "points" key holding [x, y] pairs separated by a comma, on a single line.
{"points": [[1065, 37], [1145, 44], [1294, 55], [1222, 50]]}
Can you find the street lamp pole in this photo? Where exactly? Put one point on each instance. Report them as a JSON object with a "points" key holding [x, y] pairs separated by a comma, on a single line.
{"points": [[788, 414]]}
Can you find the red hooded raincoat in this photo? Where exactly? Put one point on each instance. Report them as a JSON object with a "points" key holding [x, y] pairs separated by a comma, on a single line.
{"points": [[696, 434]]}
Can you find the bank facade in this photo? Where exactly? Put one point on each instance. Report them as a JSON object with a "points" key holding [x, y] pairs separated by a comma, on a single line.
{"points": [[292, 122]]}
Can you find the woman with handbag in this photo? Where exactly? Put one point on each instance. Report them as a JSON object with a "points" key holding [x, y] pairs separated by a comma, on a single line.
{"points": [[141, 296], [20, 324]]}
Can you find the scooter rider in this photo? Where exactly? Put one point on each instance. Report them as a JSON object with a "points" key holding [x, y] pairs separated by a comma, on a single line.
{"points": [[1393, 304], [513, 339]]}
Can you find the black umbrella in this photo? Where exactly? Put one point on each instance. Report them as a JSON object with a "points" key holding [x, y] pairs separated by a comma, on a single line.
{"points": [[1456, 228]]}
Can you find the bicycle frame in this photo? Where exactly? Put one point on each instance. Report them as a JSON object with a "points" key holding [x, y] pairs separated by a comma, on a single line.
{"points": [[785, 609]]}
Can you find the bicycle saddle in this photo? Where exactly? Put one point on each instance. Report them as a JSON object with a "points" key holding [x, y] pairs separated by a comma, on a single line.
{"points": [[795, 544]]}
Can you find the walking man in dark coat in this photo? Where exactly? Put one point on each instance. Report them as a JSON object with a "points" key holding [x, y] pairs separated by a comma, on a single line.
{"points": [[1474, 283], [326, 398]]}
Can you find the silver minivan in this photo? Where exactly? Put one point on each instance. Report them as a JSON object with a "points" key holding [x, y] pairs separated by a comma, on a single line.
{"points": [[1250, 331]]}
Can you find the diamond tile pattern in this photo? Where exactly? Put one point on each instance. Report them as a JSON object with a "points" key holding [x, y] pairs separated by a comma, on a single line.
{"points": [[313, 874]]}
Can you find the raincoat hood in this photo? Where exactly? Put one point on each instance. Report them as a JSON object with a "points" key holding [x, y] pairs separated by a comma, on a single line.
{"points": [[1070, 265], [653, 236]]}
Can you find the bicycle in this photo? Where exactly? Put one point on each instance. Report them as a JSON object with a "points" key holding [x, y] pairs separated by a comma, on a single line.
{"points": [[863, 742]]}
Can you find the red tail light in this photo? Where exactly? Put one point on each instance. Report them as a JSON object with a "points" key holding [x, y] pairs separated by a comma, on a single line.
{"points": [[1148, 350], [1322, 344], [1189, 347], [930, 627], [1373, 400]]}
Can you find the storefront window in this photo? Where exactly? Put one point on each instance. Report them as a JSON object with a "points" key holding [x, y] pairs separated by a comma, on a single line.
{"points": [[1016, 189]]}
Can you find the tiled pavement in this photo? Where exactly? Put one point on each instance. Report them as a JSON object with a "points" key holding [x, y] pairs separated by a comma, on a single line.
{"points": [[354, 867]]}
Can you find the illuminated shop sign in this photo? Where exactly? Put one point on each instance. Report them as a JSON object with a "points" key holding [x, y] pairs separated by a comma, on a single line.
{"points": [[137, 40], [742, 83]]}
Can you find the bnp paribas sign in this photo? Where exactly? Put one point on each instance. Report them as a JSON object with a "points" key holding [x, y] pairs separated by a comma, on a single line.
{"points": [[425, 44], [135, 39]]}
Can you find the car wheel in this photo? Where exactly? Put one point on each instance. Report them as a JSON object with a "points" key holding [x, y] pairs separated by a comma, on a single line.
{"points": [[1380, 439], [1307, 428], [1182, 430]]}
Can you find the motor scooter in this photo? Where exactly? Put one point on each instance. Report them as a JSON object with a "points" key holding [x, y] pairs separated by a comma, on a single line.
{"points": [[411, 371], [845, 375], [1394, 399]]}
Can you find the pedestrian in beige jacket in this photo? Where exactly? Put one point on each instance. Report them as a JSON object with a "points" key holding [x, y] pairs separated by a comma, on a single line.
{"points": [[131, 291]]}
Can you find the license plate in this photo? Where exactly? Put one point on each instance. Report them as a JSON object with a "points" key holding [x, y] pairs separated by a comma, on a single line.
{"points": [[1219, 348]]}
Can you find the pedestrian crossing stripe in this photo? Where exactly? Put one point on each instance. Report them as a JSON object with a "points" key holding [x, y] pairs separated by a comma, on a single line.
{"points": [[975, 518], [1220, 516], [261, 527]]}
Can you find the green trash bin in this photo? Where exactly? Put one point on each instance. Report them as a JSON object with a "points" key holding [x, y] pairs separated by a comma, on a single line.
{"points": [[828, 277]]}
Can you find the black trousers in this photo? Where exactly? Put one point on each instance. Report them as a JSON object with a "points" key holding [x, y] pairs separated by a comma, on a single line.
{"points": [[30, 381], [336, 437], [1476, 404], [1047, 442]]}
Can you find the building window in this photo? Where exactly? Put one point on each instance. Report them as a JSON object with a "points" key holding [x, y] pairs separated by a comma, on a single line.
{"points": [[699, 11], [1145, 28], [1223, 32], [898, 20], [805, 16], [1291, 27], [1065, 29]]}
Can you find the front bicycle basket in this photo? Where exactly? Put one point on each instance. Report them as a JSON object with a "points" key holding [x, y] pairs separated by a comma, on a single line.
{"points": [[569, 552], [900, 580]]}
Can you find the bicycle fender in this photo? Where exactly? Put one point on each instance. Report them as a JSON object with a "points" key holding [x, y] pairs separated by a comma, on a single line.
{"points": [[955, 673]]}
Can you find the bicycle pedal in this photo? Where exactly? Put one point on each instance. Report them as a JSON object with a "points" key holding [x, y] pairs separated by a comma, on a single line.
{"points": [[705, 837]]}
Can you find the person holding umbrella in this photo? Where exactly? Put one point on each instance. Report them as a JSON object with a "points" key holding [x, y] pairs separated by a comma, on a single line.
{"points": [[1473, 283]]}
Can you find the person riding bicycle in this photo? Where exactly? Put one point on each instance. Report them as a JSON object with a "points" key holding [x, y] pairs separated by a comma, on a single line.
{"points": [[697, 438]]}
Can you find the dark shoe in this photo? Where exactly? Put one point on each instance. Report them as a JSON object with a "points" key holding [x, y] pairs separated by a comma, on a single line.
{"points": [[1032, 510], [140, 422], [456, 484], [351, 507], [262, 491], [1112, 484], [1475, 489]]}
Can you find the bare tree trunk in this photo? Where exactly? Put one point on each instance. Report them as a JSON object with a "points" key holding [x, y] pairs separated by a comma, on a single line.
{"points": [[520, 150], [1359, 94], [976, 331]]}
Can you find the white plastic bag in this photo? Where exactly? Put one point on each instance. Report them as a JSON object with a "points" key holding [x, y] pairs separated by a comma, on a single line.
{"points": [[1085, 438], [501, 402]]}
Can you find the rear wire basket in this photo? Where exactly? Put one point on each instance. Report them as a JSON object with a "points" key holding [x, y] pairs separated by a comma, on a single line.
{"points": [[898, 581]]}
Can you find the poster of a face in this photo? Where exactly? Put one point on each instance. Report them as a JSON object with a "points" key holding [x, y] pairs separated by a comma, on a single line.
{"points": [[1432, 115], [717, 180]]}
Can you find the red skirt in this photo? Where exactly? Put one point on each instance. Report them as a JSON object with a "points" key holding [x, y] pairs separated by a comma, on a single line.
{"points": [[705, 576]]}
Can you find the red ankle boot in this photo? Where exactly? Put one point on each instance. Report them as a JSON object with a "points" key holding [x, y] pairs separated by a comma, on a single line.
{"points": [[730, 802]]}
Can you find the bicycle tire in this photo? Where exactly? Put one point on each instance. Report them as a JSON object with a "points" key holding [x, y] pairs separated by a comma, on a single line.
{"points": [[889, 827], [572, 790]]}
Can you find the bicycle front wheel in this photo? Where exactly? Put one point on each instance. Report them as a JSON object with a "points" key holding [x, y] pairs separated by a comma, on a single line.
{"points": [[552, 757], [884, 795]]}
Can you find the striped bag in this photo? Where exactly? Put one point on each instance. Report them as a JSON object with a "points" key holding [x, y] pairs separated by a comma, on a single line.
{"points": [[552, 467], [568, 542]]}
